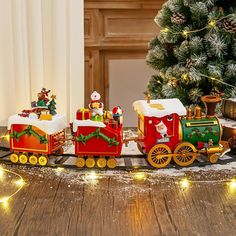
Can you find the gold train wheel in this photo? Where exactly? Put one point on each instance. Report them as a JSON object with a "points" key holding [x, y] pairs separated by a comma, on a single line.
{"points": [[101, 162], [14, 158], [33, 160], [213, 158], [43, 160], [185, 154], [80, 162], [111, 162], [23, 158], [90, 162], [159, 156]]}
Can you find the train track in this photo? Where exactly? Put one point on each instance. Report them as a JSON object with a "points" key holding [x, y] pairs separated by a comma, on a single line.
{"points": [[125, 162]]}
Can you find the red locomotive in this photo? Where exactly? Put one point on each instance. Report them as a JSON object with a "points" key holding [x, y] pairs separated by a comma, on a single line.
{"points": [[166, 132]]}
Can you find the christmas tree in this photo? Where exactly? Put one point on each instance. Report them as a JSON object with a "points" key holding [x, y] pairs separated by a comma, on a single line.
{"points": [[195, 51], [52, 105]]}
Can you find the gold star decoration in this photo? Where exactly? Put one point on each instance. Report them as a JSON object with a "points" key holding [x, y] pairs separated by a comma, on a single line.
{"points": [[53, 97]]}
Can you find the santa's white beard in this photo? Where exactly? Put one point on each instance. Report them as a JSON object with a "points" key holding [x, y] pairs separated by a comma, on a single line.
{"points": [[162, 131]]}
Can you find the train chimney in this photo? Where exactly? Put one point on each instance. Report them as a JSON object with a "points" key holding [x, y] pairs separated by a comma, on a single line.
{"points": [[198, 113], [148, 97], [189, 114], [210, 102]]}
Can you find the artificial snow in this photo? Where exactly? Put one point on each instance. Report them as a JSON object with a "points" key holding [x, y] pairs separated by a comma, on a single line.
{"points": [[160, 107], [55, 125], [89, 123]]}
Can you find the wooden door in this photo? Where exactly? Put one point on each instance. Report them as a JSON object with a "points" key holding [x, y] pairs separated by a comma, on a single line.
{"points": [[115, 29]]}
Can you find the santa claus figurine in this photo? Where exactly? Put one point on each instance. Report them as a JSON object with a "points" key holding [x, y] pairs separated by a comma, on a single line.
{"points": [[161, 128], [96, 106]]}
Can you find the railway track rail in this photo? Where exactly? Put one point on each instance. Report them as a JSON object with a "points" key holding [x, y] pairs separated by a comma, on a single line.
{"points": [[125, 162]]}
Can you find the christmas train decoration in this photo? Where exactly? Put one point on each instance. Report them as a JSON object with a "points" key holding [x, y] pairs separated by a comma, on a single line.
{"points": [[166, 132]]}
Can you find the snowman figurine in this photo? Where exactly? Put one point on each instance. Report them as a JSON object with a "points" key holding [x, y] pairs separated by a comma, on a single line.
{"points": [[96, 106]]}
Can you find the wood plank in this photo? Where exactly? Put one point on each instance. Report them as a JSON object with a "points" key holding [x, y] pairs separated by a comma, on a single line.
{"points": [[64, 203]]}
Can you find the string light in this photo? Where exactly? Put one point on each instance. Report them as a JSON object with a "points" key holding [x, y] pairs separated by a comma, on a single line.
{"points": [[6, 137], [141, 176], [185, 33], [1, 173], [19, 183], [215, 79], [212, 23], [60, 169], [232, 186], [184, 183], [185, 77], [91, 178], [165, 30]]}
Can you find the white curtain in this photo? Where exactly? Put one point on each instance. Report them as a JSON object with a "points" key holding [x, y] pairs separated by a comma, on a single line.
{"points": [[41, 45]]}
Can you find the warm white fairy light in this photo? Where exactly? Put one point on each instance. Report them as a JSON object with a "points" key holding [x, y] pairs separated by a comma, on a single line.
{"points": [[92, 176], [60, 169], [1, 173], [184, 183], [4, 199], [165, 30], [212, 23], [141, 176], [20, 182], [232, 184], [5, 137]]}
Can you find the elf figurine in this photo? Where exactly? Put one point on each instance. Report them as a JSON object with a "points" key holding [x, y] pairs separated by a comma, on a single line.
{"points": [[96, 107]]}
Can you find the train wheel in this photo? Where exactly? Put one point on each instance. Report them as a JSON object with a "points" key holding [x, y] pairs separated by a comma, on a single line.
{"points": [[111, 162], [80, 162], [90, 162], [213, 158], [33, 160], [159, 156], [43, 160], [14, 158], [101, 162], [185, 154], [23, 158]]}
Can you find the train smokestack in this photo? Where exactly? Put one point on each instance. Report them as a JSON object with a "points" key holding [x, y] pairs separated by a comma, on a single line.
{"points": [[210, 102]]}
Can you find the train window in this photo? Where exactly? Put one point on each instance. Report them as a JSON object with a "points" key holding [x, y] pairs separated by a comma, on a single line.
{"points": [[169, 118]]}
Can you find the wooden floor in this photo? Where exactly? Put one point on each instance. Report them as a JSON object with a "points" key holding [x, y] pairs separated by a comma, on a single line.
{"points": [[68, 202]]}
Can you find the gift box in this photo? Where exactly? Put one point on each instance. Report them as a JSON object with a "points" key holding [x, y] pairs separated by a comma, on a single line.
{"points": [[83, 114]]}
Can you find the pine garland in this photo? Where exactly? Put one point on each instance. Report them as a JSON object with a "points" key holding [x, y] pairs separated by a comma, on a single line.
{"points": [[96, 134], [28, 131], [198, 133]]}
